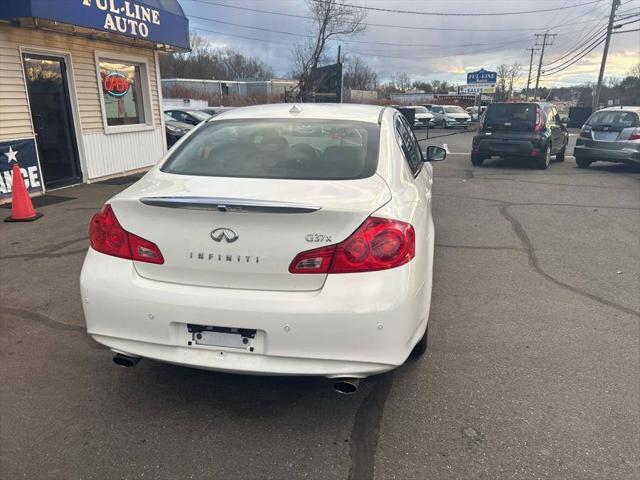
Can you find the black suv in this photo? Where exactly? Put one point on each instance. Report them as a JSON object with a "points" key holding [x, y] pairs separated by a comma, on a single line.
{"points": [[520, 130]]}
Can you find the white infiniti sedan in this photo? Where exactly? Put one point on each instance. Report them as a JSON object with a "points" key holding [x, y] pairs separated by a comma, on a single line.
{"points": [[276, 239]]}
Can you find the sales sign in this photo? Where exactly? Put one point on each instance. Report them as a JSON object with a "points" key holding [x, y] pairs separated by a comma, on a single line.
{"points": [[478, 89], [24, 153], [482, 76]]}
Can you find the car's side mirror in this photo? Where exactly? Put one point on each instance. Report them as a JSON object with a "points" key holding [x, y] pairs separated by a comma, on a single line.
{"points": [[435, 154]]}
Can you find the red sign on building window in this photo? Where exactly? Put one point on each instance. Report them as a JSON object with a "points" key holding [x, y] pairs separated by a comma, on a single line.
{"points": [[116, 84]]}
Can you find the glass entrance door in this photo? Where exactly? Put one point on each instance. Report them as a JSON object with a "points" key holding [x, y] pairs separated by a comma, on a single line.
{"points": [[48, 90]]}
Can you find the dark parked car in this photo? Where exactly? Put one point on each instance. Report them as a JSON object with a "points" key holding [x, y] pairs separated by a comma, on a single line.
{"points": [[520, 130], [610, 135], [175, 130], [188, 115]]}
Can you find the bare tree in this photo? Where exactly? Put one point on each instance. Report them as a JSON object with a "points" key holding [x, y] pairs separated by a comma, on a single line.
{"points": [[402, 81], [205, 62], [515, 70], [424, 86], [358, 75], [502, 81], [332, 18]]}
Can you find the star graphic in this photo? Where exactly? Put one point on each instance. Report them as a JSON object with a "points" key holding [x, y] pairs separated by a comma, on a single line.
{"points": [[11, 155]]}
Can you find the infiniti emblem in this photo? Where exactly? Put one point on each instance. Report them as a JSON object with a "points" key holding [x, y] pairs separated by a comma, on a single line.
{"points": [[219, 233]]}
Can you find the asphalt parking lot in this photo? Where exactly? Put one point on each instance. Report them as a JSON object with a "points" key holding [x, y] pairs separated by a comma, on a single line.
{"points": [[533, 369]]}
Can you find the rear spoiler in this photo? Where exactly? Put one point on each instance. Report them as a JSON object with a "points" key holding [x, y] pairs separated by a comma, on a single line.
{"points": [[234, 205]]}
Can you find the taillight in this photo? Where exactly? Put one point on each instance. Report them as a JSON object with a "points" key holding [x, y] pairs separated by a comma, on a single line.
{"points": [[586, 131], [378, 244], [108, 237], [635, 134], [539, 121]]}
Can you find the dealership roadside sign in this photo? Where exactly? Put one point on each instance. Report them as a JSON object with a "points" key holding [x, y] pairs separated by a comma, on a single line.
{"points": [[482, 77]]}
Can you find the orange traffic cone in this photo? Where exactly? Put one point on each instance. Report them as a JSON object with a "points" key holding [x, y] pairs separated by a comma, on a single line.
{"points": [[21, 206]]}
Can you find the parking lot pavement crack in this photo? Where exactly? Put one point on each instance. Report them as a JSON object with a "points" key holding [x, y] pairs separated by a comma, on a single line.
{"points": [[535, 182], [61, 245], [42, 319], [522, 235], [366, 428], [480, 247], [533, 204], [35, 256]]}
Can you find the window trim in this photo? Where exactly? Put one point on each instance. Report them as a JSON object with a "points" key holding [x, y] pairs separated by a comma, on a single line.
{"points": [[145, 84], [398, 136]]}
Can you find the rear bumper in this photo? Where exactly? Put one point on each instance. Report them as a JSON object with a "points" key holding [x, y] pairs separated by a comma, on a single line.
{"points": [[423, 122], [356, 325], [626, 155], [457, 123], [508, 148]]}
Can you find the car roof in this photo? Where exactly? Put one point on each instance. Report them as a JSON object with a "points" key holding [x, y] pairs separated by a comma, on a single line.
{"points": [[337, 111], [181, 109], [620, 108]]}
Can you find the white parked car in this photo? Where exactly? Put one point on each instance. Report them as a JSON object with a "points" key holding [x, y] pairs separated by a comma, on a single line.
{"points": [[254, 248], [450, 116], [422, 116]]}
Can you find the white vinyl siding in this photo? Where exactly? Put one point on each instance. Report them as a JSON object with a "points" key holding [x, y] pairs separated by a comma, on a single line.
{"points": [[13, 97], [122, 152], [15, 119]]}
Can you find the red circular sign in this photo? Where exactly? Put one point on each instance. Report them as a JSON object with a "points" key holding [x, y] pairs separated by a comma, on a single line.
{"points": [[116, 84]]}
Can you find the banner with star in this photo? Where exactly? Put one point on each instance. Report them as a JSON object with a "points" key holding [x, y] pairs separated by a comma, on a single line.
{"points": [[23, 152]]}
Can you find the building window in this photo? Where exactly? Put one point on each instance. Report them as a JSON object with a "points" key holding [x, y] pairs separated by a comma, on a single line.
{"points": [[122, 93]]}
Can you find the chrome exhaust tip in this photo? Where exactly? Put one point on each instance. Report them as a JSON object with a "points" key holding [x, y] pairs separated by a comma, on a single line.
{"points": [[125, 360], [346, 386]]}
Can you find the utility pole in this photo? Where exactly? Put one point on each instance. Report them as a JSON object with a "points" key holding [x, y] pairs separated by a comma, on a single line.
{"points": [[596, 95], [530, 67], [547, 39]]}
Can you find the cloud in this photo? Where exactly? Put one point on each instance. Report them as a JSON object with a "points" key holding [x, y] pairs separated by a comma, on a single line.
{"points": [[455, 52]]}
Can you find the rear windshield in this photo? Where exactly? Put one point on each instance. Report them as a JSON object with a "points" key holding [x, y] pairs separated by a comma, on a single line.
{"points": [[614, 119], [514, 115], [421, 110], [454, 110], [274, 148]]}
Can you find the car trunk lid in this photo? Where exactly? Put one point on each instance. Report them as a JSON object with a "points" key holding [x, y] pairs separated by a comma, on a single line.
{"points": [[242, 233]]}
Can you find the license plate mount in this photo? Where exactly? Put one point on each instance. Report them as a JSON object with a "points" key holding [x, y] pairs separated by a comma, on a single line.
{"points": [[223, 337]]}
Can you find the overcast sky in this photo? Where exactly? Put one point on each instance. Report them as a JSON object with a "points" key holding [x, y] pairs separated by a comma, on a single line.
{"points": [[430, 54]]}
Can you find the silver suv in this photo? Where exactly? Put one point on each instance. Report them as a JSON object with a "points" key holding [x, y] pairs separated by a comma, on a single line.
{"points": [[450, 116], [609, 135]]}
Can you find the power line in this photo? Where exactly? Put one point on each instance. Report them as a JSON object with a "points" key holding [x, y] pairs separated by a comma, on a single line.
{"points": [[355, 52], [582, 54], [383, 25], [263, 29], [581, 43], [577, 59], [458, 14], [577, 56]]}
